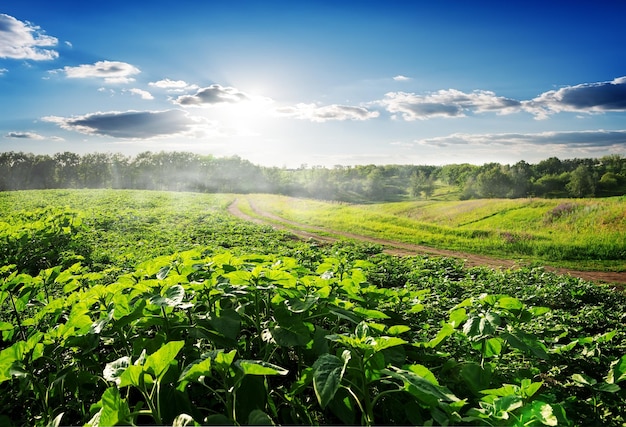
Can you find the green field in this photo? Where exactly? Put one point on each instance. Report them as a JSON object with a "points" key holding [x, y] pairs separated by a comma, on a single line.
{"points": [[123, 307], [580, 233]]}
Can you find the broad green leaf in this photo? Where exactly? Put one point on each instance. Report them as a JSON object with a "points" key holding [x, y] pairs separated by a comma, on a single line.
{"points": [[478, 327], [135, 376], [526, 343], [492, 346], [608, 388], [423, 372], [296, 305], [370, 314], [382, 343], [222, 361], [421, 388], [184, 420], [398, 329], [443, 333], [296, 334], [259, 367], [362, 331], [328, 371], [227, 323], [200, 368], [56, 422], [477, 378], [113, 370], [584, 379], [163, 272], [617, 373], [173, 297], [457, 317], [6, 326], [158, 362], [114, 409], [510, 303], [259, 418], [538, 411]]}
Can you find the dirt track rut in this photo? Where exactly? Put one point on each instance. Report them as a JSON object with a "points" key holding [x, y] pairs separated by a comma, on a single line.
{"points": [[405, 249]]}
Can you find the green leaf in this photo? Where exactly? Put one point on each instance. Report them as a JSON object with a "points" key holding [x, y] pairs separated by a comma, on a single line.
{"points": [[477, 378], [296, 334], [173, 297], [617, 372], [584, 379], [259, 418], [480, 326], [328, 371], [183, 420], [398, 329], [296, 305], [259, 367], [134, 375], [158, 362], [423, 372], [200, 368], [114, 409], [539, 411], [382, 343], [457, 317], [114, 370], [228, 323], [370, 314], [421, 388], [510, 303]]}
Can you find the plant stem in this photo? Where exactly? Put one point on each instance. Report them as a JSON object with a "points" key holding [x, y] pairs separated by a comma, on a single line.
{"points": [[17, 317]]}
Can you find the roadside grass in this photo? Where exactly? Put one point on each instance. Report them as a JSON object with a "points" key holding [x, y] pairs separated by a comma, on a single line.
{"points": [[580, 233]]}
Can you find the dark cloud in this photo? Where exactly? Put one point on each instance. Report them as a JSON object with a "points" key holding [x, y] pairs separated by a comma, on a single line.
{"points": [[214, 94], [23, 135], [574, 139], [584, 98], [129, 124]]}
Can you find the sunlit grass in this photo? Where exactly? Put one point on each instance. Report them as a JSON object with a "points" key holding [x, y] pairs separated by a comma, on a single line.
{"points": [[583, 233]]}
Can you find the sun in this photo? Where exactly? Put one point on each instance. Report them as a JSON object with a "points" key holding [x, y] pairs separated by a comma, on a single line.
{"points": [[252, 116]]}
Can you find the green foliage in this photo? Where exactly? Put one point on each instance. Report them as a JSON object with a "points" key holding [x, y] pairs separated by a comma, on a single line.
{"points": [[304, 335]]}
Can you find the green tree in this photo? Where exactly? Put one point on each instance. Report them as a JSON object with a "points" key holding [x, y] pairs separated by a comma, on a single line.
{"points": [[581, 183]]}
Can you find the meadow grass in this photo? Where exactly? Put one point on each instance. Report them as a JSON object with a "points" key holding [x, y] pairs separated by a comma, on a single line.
{"points": [[585, 233]]}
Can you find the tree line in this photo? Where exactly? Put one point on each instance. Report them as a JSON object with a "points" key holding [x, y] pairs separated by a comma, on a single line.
{"points": [[184, 171]]}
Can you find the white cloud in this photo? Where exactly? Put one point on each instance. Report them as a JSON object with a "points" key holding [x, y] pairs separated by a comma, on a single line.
{"points": [[110, 71], [134, 125], [325, 113], [446, 103], [23, 40], [173, 85], [144, 94], [583, 98], [401, 78], [24, 135], [214, 94], [574, 139], [3, 71]]}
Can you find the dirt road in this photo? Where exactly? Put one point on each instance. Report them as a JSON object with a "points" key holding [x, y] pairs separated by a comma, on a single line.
{"points": [[400, 248]]}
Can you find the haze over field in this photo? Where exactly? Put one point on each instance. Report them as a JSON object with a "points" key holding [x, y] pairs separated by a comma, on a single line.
{"points": [[319, 83]]}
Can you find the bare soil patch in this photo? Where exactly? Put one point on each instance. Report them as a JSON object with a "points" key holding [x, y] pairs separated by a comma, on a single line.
{"points": [[406, 249]]}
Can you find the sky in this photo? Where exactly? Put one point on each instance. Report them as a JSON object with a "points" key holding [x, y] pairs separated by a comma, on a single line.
{"points": [[316, 83]]}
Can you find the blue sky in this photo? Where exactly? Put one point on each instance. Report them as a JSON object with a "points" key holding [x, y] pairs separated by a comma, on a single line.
{"points": [[286, 83]]}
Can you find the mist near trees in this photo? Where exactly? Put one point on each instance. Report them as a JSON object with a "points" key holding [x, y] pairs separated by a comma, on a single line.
{"points": [[184, 171]]}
